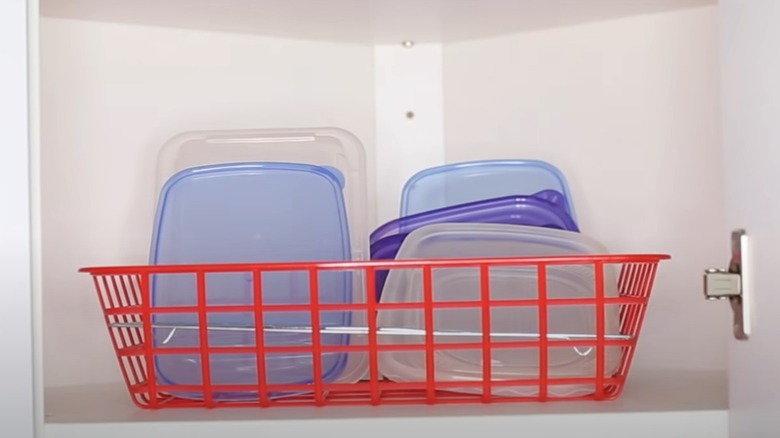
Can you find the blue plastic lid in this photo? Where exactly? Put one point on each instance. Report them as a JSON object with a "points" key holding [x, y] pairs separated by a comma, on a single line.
{"points": [[544, 209], [250, 213], [459, 183]]}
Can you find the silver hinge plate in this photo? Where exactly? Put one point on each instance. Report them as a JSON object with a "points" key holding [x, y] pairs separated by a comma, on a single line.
{"points": [[719, 284], [733, 284]]}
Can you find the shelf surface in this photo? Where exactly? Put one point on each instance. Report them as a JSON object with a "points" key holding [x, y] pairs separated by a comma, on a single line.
{"points": [[366, 21], [657, 403]]}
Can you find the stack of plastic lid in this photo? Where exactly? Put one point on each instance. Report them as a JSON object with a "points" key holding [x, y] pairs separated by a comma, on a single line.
{"points": [[463, 284], [223, 205], [518, 192], [498, 208], [327, 147], [544, 209]]}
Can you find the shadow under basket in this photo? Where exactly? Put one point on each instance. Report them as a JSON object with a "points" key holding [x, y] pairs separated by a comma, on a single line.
{"points": [[229, 340]]}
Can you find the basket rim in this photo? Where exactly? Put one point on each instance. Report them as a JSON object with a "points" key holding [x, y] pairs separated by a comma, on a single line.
{"points": [[580, 259]]}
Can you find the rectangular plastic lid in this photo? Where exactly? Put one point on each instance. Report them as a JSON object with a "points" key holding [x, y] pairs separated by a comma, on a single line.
{"points": [[463, 284], [547, 208], [241, 213], [320, 146], [459, 183]]}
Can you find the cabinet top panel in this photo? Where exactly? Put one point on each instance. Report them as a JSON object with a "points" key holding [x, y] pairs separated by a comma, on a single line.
{"points": [[362, 21]]}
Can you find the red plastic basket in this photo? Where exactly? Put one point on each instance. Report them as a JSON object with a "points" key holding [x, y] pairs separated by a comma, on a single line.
{"points": [[124, 294]]}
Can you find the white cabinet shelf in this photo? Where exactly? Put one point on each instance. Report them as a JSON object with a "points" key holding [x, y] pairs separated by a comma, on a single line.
{"points": [[365, 21], [666, 404]]}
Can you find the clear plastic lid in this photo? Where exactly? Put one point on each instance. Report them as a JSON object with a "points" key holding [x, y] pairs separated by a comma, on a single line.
{"points": [[463, 284], [329, 147], [459, 183], [251, 213]]}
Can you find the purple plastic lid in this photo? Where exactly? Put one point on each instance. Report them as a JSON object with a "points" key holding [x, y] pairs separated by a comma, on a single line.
{"points": [[540, 208], [544, 209]]}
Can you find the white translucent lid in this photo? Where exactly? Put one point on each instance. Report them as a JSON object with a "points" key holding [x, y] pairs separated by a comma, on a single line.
{"points": [[466, 240], [329, 147]]}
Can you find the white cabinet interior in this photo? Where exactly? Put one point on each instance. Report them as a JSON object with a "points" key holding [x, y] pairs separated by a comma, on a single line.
{"points": [[622, 96]]}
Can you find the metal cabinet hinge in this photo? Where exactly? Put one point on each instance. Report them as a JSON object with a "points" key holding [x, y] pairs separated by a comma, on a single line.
{"points": [[720, 284], [733, 284]]}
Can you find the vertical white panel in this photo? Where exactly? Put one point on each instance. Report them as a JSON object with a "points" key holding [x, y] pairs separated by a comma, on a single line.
{"points": [[36, 247], [16, 373], [750, 96], [409, 118]]}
